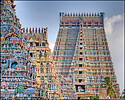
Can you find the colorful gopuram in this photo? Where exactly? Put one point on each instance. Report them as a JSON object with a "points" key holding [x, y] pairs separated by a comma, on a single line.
{"points": [[17, 70], [80, 61], [27, 67], [38, 47], [81, 55]]}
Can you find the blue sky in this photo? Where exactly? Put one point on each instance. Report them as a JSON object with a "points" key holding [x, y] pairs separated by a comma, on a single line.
{"points": [[46, 14]]}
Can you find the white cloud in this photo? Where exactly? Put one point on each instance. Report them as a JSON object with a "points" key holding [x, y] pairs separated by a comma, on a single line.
{"points": [[110, 22], [114, 28], [51, 45]]}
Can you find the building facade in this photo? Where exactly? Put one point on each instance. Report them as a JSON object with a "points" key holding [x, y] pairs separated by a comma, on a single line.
{"points": [[17, 70], [80, 61], [27, 67], [40, 53], [81, 54]]}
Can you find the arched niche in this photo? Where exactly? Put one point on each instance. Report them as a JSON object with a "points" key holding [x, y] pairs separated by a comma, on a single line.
{"points": [[13, 65]]}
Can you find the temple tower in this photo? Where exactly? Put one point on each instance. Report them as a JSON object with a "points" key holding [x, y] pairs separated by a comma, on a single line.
{"points": [[82, 55], [38, 47], [17, 71]]}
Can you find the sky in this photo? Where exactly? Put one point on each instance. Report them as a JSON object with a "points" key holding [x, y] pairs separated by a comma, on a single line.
{"points": [[46, 14]]}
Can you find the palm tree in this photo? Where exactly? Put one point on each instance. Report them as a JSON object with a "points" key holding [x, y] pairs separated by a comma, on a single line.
{"points": [[111, 91], [123, 94]]}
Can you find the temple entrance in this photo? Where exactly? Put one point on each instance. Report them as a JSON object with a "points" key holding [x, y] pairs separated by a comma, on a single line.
{"points": [[80, 88], [13, 65]]}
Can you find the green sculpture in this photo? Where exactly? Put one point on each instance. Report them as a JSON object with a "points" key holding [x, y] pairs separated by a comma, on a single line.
{"points": [[20, 89]]}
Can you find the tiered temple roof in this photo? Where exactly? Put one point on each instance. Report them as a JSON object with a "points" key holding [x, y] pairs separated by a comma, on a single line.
{"points": [[38, 46], [17, 70], [80, 61], [81, 54]]}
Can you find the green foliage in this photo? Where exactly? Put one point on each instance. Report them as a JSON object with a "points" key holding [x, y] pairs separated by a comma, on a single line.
{"points": [[94, 98], [111, 91], [123, 94], [91, 97], [20, 90]]}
